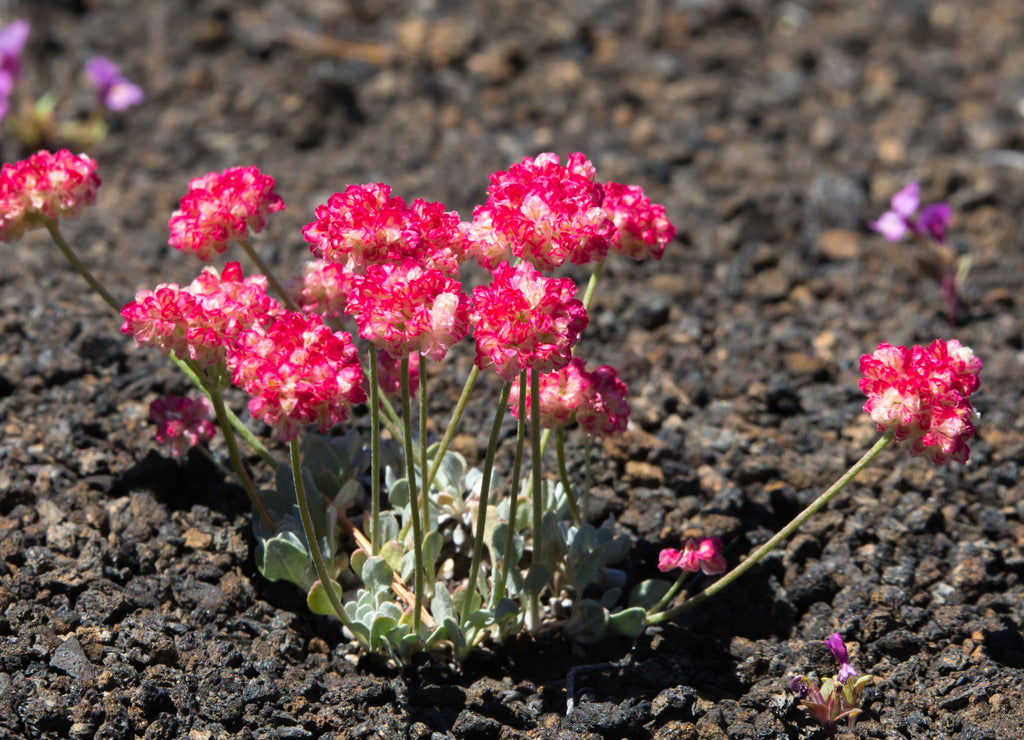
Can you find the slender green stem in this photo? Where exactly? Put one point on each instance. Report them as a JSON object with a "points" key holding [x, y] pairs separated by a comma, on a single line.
{"points": [[670, 594], [313, 543], [480, 533], [563, 473], [513, 503], [69, 253], [425, 498], [783, 533], [262, 267], [536, 491], [587, 479], [414, 504], [453, 425], [375, 534], [236, 460]]}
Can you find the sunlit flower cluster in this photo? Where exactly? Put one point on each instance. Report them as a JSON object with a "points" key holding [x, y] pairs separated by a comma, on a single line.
{"points": [[322, 289], [922, 394], [296, 372], [704, 555], [44, 186], [542, 212], [597, 399], [525, 320], [203, 320], [220, 207], [404, 308], [182, 422], [641, 227]]}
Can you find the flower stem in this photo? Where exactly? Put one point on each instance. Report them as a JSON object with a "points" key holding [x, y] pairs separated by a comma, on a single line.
{"points": [[375, 534], [783, 533], [536, 491], [453, 425], [570, 494], [479, 533], [236, 460], [313, 542], [425, 498], [69, 253], [262, 267], [513, 503], [588, 294], [587, 478], [414, 505]]}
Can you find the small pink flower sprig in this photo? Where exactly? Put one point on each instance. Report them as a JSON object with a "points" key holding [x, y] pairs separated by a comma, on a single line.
{"points": [[836, 698], [920, 395], [182, 423], [35, 123], [927, 225]]}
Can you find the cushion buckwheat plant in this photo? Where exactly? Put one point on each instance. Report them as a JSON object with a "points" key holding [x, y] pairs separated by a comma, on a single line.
{"points": [[392, 270]]}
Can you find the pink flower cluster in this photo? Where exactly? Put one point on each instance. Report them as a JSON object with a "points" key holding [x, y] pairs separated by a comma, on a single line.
{"points": [[203, 320], [922, 394], [323, 288], [597, 399], [365, 225], [296, 371], [543, 212], [220, 207], [642, 228], [44, 186], [525, 320], [705, 555], [182, 422], [405, 308]]}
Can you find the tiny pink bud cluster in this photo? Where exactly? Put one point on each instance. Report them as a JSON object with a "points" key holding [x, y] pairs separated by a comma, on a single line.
{"points": [[596, 399], [220, 207], [922, 394], [704, 555], [182, 422], [44, 187]]}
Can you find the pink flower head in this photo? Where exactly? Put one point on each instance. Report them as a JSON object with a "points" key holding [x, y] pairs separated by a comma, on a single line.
{"points": [[296, 372], [323, 288], [544, 213], [182, 422], [525, 320], [443, 237], [603, 410], [901, 218], [44, 186], [203, 320], [405, 308], [705, 555], [642, 230], [922, 394], [220, 207], [113, 90], [389, 373], [364, 225], [560, 394]]}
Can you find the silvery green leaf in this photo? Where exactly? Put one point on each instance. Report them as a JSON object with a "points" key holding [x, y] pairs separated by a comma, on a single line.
{"points": [[284, 557], [498, 538], [393, 552], [478, 619], [450, 472], [629, 622], [388, 526], [455, 634], [611, 578], [391, 609], [610, 597], [648, 593], [358, 559], [537, 578], [347, 494], [589, 623], [318, 600], [398, 493], [377, 574], [432, 544], [381, 626], [407, 566], [505, 609], [441, 605]]}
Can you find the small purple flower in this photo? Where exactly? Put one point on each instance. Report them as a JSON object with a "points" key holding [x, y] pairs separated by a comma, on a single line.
{"points": [[935, 219], [838, 647], [902, 218], [12, 41], [113, 90]]}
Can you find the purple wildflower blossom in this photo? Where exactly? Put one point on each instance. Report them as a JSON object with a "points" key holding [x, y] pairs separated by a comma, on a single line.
{"points": [[113, 90], [12, 41]]}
